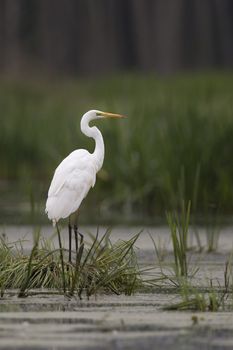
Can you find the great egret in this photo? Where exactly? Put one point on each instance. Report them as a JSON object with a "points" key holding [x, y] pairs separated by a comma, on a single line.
{"points": [[75, 175]]}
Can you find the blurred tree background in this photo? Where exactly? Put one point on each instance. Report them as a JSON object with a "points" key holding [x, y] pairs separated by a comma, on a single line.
{"points": [[93, 37], [166, 64]]}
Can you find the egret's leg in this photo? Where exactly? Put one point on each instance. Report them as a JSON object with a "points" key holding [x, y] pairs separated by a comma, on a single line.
{"points": [[79, 247], [76, 236], [76, 230], [75, 279], [61, 257], [70, 240]]}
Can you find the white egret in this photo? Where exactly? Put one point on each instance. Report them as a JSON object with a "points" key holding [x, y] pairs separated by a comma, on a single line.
{"points": [[75, 175]]}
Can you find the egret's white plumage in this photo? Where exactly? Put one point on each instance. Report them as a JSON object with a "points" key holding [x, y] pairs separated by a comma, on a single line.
{"points": [[76, 174], [71, 182]]}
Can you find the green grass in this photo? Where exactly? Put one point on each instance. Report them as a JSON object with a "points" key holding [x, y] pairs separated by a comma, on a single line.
{"points": [[212, 299], [104, 267], [196, 301], [177, 128], [179, 227], [179, 272]]}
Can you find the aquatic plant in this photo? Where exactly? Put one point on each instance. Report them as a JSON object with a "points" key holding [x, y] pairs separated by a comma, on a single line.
{"points": [[105, 266], [179, 235], [212, 298]]}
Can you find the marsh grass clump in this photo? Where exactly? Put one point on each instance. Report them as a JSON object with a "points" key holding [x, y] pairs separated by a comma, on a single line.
{"points": [[196, 301], [212, 298], [179, 229], [179, 272], [105, 267], [179, 235]]}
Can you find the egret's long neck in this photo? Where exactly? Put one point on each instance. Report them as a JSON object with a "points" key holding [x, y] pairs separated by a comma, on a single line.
{"points": [[94, 132]]}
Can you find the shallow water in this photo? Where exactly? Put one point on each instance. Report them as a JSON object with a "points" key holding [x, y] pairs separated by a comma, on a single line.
{"points": [[45, 321]]}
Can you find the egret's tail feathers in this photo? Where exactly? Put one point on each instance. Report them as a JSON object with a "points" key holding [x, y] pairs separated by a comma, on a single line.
{"points": [[54, 221]]}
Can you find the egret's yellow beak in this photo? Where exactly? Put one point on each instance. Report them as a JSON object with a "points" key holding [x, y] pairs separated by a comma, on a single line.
{"points": [[110, 115]]}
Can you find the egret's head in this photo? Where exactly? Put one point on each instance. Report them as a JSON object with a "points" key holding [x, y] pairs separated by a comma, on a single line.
{"points": [[95, 114]]}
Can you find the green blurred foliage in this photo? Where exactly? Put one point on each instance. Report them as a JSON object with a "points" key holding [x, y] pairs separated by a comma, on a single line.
{"points": [[175, 126]]}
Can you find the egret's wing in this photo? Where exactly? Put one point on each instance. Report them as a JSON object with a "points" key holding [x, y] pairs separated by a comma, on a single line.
{"points": [[72, 180], [77, 160]]}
